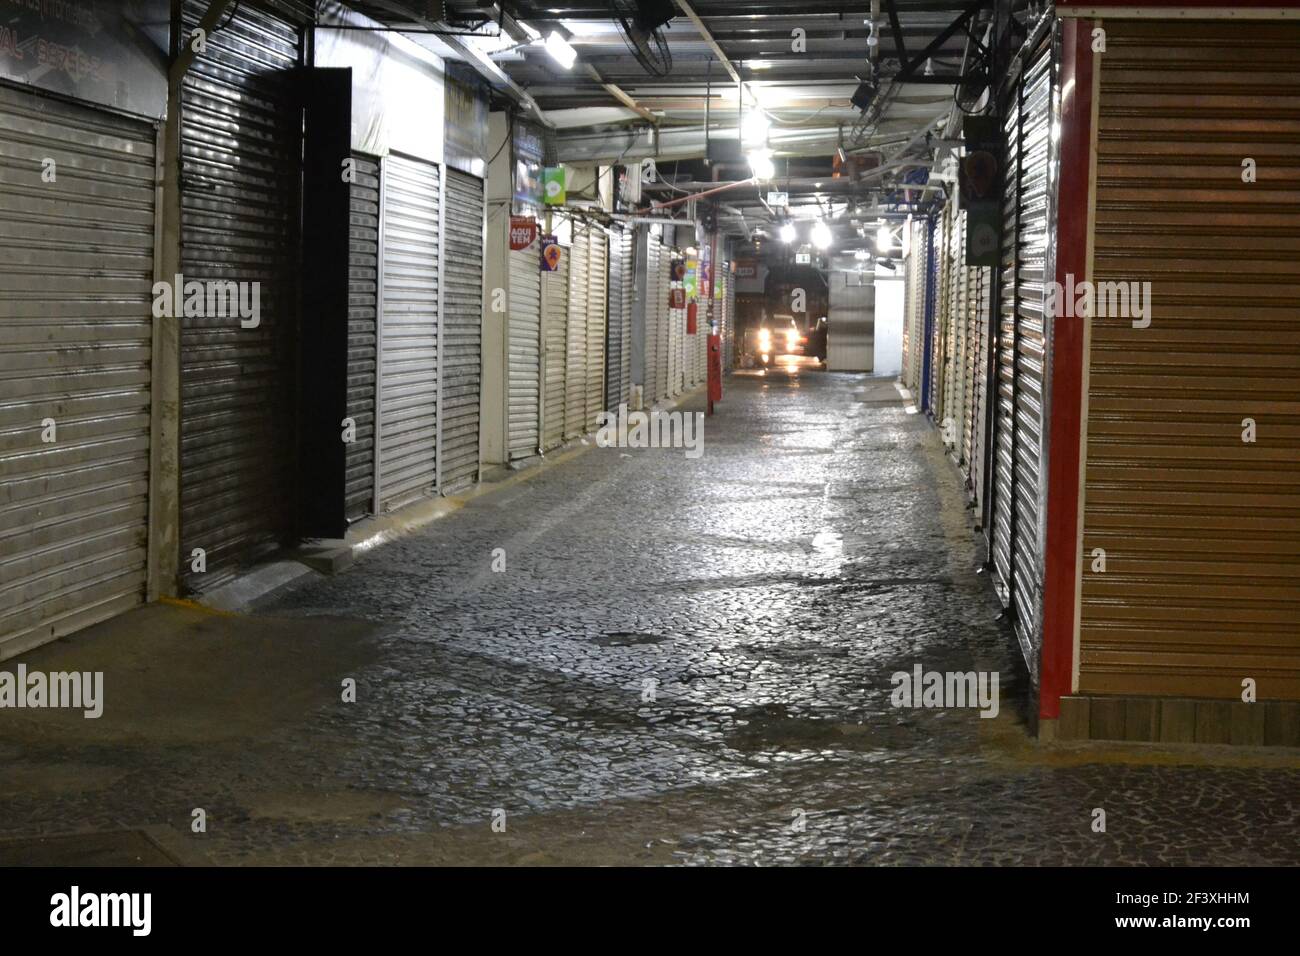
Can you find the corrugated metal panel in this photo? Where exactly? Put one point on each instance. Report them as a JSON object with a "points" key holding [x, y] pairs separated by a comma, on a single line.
{"points": [[240, 181], [409, 333], [729, 342], [1201, 529], [462, 329], [943, 280], [575, 381], [555, 330], [999, 532], [970, 353], [597, 306], [675, 339], [1018, 512], [76, 278], [979, 426], [627, 253], [363, 300], [656, 309], [614, 337], [524, 328]]}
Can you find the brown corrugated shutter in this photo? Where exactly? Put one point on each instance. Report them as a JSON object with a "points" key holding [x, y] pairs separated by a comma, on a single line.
{"points": [[1201, 530]]}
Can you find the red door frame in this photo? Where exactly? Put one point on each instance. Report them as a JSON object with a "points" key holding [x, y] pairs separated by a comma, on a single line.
{"points": [[1064, 479]]}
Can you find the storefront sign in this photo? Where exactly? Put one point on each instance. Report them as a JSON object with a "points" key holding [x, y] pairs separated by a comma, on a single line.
{"points": [[552, 252], [676, 298], [110, 52], [528, 163], [523, 230], [553, 186]]}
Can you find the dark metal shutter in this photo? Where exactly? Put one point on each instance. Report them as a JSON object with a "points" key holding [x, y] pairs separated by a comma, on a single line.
{"points": [[555, 331], [462, 329], [980, 403], [614, 336], [1018, 568], [524, 327], [1201, 529], [409, 333], [575, 371], [241, 139], [76, 278], [363, 300], [597, 306]]}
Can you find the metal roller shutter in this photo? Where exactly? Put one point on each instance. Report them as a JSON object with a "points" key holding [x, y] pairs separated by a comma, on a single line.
{"points": [[241, 140], [614, 335], [1018, 530], [524, 327], [597, 305], [1201, 529], [363, 300], [408, 335], [76, 279], [729, 342], [656, 304], [462, 330], [575, 372], [970, 353], [979, 426], [676, 323], [999, 531], [627, 253], [943, 275], [555, 330]]}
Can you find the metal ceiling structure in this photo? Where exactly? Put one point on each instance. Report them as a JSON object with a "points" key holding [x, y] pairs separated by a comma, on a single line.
{"points": [[729, 58]]}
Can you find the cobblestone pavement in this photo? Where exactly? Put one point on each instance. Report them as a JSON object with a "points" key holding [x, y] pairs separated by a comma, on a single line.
{"points": [[765, 591]]}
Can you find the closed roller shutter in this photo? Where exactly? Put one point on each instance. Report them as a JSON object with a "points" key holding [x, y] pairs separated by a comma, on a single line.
{"points": [[1201, 529], [76, 279], [729, 342], [241, 137], [655, 304], [597, 306], [943, 273], [970, 353], [555, 330], [627, 255], [675, 339], [408, 340], [979, 427], [524, 330], [363, 300], [1018, 510], [618, 347], [575, 382], [462, 329]]}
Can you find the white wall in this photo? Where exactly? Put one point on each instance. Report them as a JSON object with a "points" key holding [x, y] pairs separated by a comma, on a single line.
{"points": [[889, 322], [849, 323]]}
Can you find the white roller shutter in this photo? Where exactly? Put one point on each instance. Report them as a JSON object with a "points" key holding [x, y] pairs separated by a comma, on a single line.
{"points": [[76, 277], [597, 308], [575, 387], [555, 328], [524, 327], [408, 342], [462, 329]]}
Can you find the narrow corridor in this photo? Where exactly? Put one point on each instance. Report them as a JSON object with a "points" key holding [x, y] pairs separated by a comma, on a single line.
{"points": [[683, 661]]}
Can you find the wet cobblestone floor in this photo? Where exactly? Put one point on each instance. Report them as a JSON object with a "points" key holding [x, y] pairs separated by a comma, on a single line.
{"points": [[765, 591]]}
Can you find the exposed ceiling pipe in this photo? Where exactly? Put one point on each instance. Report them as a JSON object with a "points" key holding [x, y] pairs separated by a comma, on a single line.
{"points": [[693, 196]]}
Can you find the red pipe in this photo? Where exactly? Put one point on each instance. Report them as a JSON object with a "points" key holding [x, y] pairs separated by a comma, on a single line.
{"points": [[707, 192]]}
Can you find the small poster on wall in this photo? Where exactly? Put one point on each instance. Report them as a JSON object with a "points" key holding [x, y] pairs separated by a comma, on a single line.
{"points": [[551, 253], [523, 230]]}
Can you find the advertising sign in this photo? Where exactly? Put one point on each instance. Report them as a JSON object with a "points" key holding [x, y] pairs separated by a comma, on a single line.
{"points": [[553, 186], [551, 253], [110, 52], [523, 230]]}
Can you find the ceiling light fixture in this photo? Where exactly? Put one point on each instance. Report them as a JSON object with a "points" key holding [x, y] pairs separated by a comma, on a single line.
{"points": [[788, 232], [560, 50], [760, 161], [821, 235], [754, 128], [883, 238]]}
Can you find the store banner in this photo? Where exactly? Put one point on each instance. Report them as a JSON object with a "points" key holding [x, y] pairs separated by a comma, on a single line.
{"points": [[523, 230], [553, 186], [552, 252]]}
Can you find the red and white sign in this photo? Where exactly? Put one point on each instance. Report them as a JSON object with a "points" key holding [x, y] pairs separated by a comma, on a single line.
{"points": [[523, 230]]}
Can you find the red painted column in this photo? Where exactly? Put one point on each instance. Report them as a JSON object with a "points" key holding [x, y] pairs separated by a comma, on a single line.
{"points": [[1060, 591]]}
